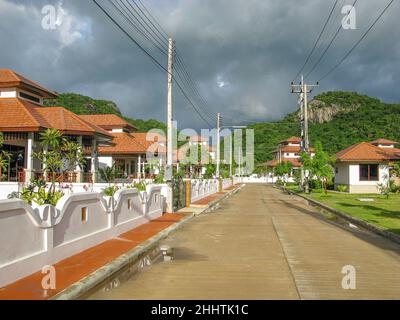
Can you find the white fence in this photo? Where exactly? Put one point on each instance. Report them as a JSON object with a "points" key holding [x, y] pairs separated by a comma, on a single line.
{"points": [[226, 183], [32, 237], [201, 189]]}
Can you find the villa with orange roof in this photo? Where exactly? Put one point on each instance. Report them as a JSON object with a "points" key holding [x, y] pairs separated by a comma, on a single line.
{"points": [[289, 150], [130, 149], [361, 167], [23, 117]]}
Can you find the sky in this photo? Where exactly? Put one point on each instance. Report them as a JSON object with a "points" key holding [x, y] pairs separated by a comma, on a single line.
{"points": [[242, 54]]}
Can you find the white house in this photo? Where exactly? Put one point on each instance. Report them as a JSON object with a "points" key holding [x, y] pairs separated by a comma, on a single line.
{"points": [[363, 166]]}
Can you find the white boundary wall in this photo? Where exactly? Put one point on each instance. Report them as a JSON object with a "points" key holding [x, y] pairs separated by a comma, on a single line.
{"points": [[32, 237], [201, 189]]}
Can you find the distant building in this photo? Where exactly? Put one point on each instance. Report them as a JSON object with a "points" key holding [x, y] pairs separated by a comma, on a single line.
{"points": [[289, 150], [361, 167]]}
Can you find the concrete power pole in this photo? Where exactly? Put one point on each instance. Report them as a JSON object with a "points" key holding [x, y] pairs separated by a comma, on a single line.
{"points": [[170, 106], [303, 89], [218, 144], [170, 129]]}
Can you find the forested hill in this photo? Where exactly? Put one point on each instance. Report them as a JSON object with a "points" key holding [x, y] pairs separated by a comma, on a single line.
{"points": [[338, 120], [85, 105]]}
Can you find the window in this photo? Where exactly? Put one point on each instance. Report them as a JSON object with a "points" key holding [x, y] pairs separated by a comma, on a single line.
{"points": [[29, 97], [129, 204], [369, 172]]}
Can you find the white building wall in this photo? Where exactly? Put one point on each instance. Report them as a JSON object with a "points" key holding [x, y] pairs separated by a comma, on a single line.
{"points": [[105, 161], [349, 175], [8, 93]]}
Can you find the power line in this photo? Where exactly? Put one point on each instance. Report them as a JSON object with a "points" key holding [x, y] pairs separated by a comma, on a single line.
{"points": [[180, 62], [155, 61], [327, 48], [358, 42], [147, 29], [317, 41], [128, 15]]}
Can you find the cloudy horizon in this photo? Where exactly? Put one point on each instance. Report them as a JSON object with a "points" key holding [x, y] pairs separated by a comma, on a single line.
{"points": [[243, 54]]}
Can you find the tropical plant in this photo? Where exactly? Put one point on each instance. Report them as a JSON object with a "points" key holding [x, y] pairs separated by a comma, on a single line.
{"points": [[4, 158], [36, 192], [140, 186], [59, 155], [210, 171], [384, 189], [110, 191], [107, 174], [160, 178], [319, 166]]}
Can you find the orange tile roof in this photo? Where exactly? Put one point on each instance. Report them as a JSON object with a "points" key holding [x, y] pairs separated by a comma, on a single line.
{"points": [[68, 122], [130, 143], [296, 162], [292, 140], [9, 78], [384, 141], [365, 151], [17, 115], [108, 121]]}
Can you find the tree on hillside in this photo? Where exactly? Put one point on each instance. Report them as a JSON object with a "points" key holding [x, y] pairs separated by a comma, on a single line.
{"points": [[319, 166]]}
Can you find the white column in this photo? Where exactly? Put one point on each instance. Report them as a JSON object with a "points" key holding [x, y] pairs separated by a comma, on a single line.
{"points": [[78, 170], [139, 172], [29, 175], [94, 161]]}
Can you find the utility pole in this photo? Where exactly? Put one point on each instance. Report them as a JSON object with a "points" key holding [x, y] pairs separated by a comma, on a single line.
{"points": [[170, 129], [170, 106], [230, 156], [218, 144], [303, 89]]}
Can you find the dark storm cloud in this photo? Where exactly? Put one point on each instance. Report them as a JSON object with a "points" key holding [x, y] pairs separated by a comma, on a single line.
{"points": [[243, 54]]}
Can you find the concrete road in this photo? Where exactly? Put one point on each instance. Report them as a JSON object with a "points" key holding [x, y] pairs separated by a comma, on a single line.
{"points": [[264, 244]]}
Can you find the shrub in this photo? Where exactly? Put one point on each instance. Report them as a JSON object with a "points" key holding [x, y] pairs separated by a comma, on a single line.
{"points": [[342, 188], [140, 186], [36, 192], [315, 184]]}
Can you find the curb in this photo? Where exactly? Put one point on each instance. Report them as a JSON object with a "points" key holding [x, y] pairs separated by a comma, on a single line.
{"points": [[83, 286], [358, 222]]}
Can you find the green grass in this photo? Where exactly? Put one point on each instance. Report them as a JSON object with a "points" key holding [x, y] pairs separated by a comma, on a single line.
{"points": [[384, 213]]}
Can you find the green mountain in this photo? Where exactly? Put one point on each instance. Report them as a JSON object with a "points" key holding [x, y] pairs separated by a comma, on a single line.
{"points": [[85, 105], [337, 119]]}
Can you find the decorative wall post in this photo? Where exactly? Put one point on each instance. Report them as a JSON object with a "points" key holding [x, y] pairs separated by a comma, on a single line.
{"points": [[188, 192]]}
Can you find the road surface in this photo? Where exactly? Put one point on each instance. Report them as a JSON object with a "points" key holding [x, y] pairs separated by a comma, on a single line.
{"points": [[264, 244]]}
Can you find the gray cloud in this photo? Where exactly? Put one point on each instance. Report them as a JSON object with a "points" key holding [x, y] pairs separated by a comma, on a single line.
{"points": [[243, 54]]}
